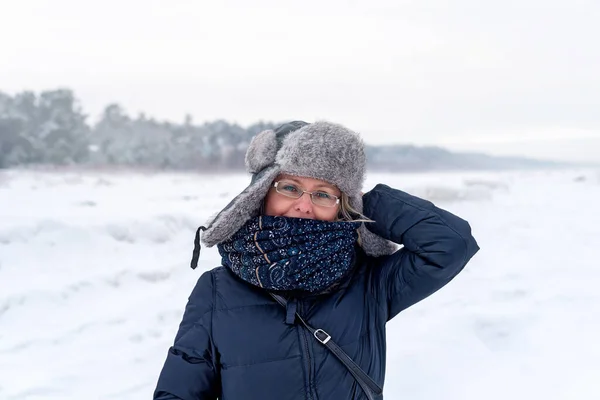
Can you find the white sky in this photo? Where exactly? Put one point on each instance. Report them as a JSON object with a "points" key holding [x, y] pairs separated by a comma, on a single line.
{"points": [[505, 77]]}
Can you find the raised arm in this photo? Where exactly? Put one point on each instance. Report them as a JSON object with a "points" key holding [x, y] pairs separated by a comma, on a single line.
{"points": [[436, 246], [189, 373]]}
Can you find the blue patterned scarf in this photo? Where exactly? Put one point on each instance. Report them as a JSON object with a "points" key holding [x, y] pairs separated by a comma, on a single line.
{"points": [[282, 253]]}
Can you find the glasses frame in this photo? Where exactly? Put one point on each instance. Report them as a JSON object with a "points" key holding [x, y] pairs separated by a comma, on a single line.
{"points": [[302, 191]]}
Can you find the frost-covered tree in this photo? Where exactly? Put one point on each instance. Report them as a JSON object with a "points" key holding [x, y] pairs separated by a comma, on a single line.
{"points": [[15, 146], [61, 130], [49, 129], [111, 138]]}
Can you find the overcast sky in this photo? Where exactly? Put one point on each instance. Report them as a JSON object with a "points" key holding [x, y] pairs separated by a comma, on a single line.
{"points": [[505, 77]]}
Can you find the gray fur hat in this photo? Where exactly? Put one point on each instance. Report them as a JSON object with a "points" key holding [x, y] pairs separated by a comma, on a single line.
{"points": [[320, 150]]}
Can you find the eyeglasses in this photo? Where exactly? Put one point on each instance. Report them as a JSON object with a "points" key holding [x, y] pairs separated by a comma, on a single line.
{"points": [[318, 198]]}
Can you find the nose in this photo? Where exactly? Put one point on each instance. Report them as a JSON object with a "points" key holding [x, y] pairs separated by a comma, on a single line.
{"points": [[304, 204]]}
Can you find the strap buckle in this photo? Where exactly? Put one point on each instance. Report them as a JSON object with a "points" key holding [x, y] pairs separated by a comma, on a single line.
{"points": [[324, 336]]}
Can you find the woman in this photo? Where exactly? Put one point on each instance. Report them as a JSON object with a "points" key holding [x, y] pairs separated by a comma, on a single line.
{"points": [[302, 245]]}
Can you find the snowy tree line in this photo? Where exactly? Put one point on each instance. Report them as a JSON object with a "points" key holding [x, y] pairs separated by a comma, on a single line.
{"points": [[50, 128]]}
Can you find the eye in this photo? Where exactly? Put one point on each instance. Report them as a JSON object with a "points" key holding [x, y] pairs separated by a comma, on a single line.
{"points": [[288, 187], [323, 195]]}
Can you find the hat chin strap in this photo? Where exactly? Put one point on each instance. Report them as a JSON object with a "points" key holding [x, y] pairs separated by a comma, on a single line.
{"points": [[197, 248]]}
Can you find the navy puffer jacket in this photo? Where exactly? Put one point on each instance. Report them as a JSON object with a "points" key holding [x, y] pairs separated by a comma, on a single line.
{"points": [[236, 343]]}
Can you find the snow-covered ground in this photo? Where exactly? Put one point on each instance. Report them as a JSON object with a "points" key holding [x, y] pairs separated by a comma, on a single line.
{"points": [[94, 276]]}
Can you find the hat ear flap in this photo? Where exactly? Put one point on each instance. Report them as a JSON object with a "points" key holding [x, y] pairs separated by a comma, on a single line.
{"points": [[374, 245], [261, 152]]}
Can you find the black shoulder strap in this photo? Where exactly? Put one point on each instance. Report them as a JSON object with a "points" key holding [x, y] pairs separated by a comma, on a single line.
{"points": [[368, 385]]}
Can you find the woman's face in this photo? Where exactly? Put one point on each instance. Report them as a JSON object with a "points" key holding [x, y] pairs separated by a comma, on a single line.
{"points": [[277, 204]]}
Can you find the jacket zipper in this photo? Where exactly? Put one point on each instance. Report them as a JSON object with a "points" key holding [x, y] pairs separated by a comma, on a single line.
{"points": [[308, 358]]}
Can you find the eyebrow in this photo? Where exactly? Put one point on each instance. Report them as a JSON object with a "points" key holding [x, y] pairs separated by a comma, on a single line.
{"points": [[319, 185]]}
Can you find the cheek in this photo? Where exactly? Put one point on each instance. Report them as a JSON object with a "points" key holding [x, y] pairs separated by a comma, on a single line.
{"points": [[274, 206], [326, 214]]}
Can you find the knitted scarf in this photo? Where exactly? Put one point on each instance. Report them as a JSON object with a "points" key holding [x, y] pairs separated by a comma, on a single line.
{"points": [[282, 253]]}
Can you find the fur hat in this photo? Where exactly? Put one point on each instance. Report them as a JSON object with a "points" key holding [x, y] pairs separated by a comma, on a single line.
{"points": [[320, 150]]}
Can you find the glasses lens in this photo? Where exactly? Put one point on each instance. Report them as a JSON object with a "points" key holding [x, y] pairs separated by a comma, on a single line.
{"points": [[288, 189], [320, 198], [323, 199]]}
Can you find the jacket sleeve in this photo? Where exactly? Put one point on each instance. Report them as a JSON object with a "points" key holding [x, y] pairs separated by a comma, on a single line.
{"points": [[189, 372], [436, 247]]}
